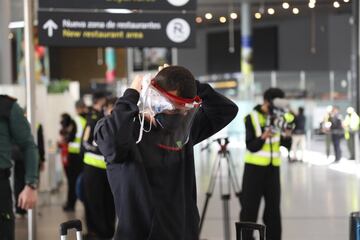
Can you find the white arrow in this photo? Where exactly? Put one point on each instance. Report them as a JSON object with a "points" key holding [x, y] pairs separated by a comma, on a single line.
{"points": [[50, 25]]}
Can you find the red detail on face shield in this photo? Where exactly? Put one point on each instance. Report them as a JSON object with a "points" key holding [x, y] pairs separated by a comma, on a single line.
{"points": [[175, 149], [182, 102]]}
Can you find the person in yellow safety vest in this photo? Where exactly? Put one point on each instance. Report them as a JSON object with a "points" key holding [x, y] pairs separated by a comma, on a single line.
{"points": [[74, 164], [262, 166], [289, 118], [351, 126], [325, 128], [98, 199]]}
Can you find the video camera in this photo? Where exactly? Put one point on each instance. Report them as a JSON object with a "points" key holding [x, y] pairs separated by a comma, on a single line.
{"points": [[278, 120]]}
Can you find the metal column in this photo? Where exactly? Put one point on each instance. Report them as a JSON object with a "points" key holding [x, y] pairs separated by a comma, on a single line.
{"points": [[130, 65], [30, 91], [5, 53], [246, 44], [174, 56], [355, 56]]}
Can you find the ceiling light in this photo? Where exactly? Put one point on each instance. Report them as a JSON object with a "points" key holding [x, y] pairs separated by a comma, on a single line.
{"points": [[296, 11], [311, 5], [198, 19], [222, 19], [208, 16], [271, 11], [285, 5], [312, 1], [233, 15], [346, 1], [118, 11], [336, 4], [258, 15]]}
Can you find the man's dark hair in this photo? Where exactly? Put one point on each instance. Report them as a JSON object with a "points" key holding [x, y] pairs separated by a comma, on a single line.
{"points": [[301, 110], [80, 104], [111, 101], [176, 78], [65, 120], [272, 93], [97, 96]]}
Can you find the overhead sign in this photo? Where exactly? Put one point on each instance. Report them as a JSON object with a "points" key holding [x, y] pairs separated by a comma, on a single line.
{"points": [[116, 30], [126, 4]]}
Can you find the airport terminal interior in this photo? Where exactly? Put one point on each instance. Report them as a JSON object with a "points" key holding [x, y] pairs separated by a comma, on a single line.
{"points": [[268, 92]]}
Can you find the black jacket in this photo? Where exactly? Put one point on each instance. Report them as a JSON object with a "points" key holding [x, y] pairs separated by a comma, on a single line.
{"points": [[155, 189], [300, 122], [253, 143], [336, 125], [87, 141]]}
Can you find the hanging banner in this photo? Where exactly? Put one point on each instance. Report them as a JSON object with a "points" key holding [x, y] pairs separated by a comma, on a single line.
{"points": [[79, 29], [125, 4]]}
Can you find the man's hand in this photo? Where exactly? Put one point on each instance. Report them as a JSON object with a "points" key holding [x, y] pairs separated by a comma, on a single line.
{"points": [[137, 83], [27, 198], [150, 118], [267, 134]]}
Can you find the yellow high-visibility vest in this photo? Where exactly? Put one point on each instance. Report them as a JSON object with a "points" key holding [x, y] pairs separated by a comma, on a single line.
{"points": [[351, 124], [270, 151], [94, 160], [74, 146]]}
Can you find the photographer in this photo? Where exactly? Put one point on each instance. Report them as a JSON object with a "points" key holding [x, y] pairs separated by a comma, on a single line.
{"points": [[152, 177], [262, 161]]}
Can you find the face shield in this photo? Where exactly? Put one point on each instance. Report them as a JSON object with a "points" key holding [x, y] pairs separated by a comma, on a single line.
{"points": [[171, 114]]}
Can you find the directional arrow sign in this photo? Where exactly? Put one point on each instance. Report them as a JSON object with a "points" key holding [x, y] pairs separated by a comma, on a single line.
{"points": [[50, 25], [100, 29]]}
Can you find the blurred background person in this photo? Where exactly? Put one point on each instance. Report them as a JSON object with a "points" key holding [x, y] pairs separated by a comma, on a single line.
{"points": [[337, 132], [74, 164], [299, 135], [98, 199], [66, 126], [351, 126], [289, 118], [325, 126]]}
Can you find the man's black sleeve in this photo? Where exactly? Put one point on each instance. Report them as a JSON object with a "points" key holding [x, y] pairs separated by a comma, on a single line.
{"points": [[214, 114], [253, 143], [114, 133]]}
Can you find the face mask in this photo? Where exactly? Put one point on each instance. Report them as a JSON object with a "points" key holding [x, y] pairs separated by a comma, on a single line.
{"points": [[169, 122]]}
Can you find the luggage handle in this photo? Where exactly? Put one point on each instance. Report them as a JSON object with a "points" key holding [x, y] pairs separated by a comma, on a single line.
{"points": [[250, 226], [73, 224]]}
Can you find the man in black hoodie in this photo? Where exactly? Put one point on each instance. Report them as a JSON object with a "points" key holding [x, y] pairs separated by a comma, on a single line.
{"points": [[153, 182]]}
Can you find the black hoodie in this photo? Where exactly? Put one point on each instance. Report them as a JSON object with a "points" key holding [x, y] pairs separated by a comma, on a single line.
{"points": [[155, 189]]}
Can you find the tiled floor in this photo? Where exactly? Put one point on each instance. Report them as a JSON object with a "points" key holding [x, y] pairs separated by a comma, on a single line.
{"points": [[316, 202]]}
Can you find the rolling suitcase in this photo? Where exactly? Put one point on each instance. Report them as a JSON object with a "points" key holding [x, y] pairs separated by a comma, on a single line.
{"points": [[355, 226], [73, 224], [240, 226]]}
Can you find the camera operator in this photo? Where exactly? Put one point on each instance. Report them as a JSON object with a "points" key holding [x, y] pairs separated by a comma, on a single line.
{"points": [[266, 131]]}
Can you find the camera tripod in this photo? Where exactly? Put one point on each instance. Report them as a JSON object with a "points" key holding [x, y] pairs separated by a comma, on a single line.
{"points": [[224, 169]]}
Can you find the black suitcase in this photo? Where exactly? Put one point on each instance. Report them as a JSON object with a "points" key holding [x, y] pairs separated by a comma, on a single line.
{"points": [[240, 226], [355, 226], [73, 224]]}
